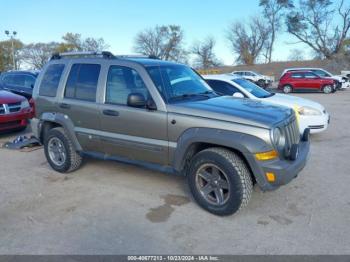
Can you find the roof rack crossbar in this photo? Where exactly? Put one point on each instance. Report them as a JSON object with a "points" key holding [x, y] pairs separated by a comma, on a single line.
{"points": [[104, 54]]}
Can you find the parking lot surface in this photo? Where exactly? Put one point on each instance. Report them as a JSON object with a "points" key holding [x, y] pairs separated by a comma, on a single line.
{"points": [[113, 208]]}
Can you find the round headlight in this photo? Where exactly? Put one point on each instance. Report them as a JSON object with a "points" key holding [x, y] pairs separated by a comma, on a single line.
{"points": [[278, 138]]}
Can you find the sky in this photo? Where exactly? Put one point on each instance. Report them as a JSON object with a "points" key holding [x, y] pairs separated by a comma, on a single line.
{"points": [[118, 21]]}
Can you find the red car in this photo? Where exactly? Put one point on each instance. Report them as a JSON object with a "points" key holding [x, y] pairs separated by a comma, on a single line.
{"points": [[306, 81], [15, 111]]}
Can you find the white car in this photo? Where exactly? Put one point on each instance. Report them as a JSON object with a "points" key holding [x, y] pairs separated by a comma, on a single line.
{"points": [[310, 114], [344, 82], [260, 80]]}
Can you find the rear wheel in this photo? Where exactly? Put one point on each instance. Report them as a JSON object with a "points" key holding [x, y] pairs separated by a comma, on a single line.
{"points": [[60, 152], [327, 89], [220, 181], [287, 89]]}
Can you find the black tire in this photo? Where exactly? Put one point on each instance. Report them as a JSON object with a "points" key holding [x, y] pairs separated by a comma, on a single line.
{"points": [[287, 89], [238, 178], [72, 161], [327, 89]]}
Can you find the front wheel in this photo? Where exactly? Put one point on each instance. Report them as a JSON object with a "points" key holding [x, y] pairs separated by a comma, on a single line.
{"points": [[220, 181]]}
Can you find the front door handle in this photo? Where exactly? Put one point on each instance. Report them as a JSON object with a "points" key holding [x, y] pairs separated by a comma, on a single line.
{"points": [[108, 112], [64, 106]]}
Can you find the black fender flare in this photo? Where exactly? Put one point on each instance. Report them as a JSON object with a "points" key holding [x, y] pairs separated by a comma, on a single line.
{"points": [[244, 143]]}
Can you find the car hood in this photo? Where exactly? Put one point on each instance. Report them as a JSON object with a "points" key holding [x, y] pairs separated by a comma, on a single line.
{"points": [[292, 101], [231, 109], [8, 98]]}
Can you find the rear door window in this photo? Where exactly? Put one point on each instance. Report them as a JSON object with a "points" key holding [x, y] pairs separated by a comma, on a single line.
{"points": [[82, 82], [297, 75], [51, 79]]}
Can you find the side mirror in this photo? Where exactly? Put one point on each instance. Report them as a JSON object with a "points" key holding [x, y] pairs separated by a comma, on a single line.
{"points": [[238, 95], [136, 100]]}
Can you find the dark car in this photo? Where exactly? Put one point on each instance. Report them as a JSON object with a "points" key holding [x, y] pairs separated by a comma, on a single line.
{"points": [[306, 81], [19, 82]]}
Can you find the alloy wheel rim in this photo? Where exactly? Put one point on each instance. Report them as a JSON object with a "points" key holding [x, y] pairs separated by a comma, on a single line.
{"points": [[57, 151], [327, 89], [213, 184]]}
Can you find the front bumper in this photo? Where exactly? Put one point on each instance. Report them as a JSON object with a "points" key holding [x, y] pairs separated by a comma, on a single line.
{"points": [[284, 170], [16, 120], [316, 124]]}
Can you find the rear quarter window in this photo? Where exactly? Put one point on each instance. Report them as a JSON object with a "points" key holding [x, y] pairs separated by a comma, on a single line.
{"points": [[50, 81]]}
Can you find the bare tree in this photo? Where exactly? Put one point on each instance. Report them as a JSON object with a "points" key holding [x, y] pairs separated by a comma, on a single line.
{"points": [[248, 41], [75, 42], [164, 42], [296, 55], [273, 13], [313, 24], [204, 52], [36, 55]]}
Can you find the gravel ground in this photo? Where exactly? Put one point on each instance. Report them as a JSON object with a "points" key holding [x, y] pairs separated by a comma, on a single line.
{"points": [[113, 208]]}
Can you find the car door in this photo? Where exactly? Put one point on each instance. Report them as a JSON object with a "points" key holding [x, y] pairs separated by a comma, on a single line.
{"points": [[80, 105], [129, 132], [311, 81]]}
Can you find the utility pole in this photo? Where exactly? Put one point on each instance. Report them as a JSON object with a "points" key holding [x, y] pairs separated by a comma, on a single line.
{"points": [[12, 37]]}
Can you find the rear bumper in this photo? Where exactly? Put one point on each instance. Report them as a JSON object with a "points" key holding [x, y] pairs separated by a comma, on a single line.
{"points": [[14, 121], [284, 170]]}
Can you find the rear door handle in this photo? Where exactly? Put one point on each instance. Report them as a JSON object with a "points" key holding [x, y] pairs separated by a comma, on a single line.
{"points": [[108, 112], [64, 105]]}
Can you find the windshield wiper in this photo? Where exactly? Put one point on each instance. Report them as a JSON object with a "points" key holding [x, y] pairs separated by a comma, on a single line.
{"points": [[192, 95]]}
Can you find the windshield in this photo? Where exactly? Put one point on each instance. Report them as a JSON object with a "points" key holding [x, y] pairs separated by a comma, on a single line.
{"points": [[252, 88], [177, 82], [321, 73]]}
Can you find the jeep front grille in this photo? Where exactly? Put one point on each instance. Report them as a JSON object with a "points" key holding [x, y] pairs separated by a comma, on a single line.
{"points": [[6, 109], [291, 132]]}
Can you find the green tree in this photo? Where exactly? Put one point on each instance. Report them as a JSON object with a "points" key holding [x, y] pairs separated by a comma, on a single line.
{"points": [[6, 60]]}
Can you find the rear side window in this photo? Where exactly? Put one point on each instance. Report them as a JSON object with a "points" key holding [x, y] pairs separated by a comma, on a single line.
{"points": [[222, 88], [297, 75], [51, 79], [82, 82]]}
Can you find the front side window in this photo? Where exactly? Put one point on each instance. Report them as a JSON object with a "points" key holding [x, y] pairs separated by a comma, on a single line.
{"points": [[82, 82], [29, 81], [177, 82], [121, 82], [252, 88], [321, 73], [51, 79]]}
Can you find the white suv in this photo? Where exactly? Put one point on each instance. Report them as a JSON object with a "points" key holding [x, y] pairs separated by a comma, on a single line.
{"points": [[260, 80]]}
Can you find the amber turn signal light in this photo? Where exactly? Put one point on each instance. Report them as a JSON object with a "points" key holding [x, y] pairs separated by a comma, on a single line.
{"points": [[266, 155], [270, 177]]}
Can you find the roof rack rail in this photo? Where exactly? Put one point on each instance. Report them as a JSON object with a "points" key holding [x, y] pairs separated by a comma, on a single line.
{"points": [[138, 56], [103, 54]]}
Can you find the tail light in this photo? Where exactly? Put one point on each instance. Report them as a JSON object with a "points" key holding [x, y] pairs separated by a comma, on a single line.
{"points": [[32, 105]]}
